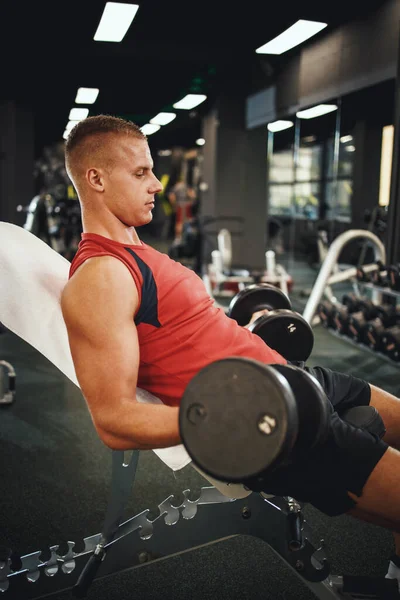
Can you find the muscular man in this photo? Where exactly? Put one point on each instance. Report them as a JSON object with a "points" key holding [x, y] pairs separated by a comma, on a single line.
{"points": [[135, 318]]}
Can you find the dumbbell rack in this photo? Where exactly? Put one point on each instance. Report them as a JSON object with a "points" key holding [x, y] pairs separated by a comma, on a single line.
{"points": [[330, 275], [382, 291]]}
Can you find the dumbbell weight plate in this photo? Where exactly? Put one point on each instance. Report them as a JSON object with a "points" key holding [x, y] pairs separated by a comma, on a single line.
{"points": [[256, 297], [286, 332], [314, 409], [237, 418]]}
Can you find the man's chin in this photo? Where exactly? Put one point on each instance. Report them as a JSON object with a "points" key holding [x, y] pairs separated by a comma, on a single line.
{"points": [[143, 222]]}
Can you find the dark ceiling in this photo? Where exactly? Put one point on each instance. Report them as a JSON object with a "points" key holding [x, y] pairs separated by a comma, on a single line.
{"points": [[171, 48]]}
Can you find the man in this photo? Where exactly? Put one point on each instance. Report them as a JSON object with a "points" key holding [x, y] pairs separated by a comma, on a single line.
{"points": [[130, 306], [182, 198]]}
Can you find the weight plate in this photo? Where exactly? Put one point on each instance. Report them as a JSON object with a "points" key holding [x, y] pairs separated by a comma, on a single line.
{"points": [[287, 332], [313, 408], [256, 297], [237, 418]]}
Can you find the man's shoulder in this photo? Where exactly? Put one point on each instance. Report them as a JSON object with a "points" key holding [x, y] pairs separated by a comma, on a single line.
{"points": [[99, 270]]}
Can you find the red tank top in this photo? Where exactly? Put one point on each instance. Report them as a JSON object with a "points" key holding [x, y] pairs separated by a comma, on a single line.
{"points": [[180, 330]]}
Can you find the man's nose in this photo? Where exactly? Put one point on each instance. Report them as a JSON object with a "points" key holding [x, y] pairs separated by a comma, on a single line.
{"points": [[156, 186]]}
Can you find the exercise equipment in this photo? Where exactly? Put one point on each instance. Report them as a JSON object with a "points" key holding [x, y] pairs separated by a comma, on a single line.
{"points": [[226, 280], [394, 277], [390, 342], [281, 329], [240, 419], [330, 275], [340, 319], [372, 334], [8, 389], [325, 312], [33, 269], [367, 311]]}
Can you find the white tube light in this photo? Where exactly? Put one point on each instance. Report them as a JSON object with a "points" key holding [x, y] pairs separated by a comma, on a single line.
{"points": [[71, 124], [346, 138], [295, 35], [279, 126], [316, 111], [149, 128], [115, 21], [163, 118], [200, 141], [190, 101], [86, 95], [78, 114], [386, 165]]}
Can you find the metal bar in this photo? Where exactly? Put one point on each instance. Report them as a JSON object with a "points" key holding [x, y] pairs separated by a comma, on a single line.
{"points": [[331, 260]]}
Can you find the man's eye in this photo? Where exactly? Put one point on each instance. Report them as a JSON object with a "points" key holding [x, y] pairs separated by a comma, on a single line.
{"points": [[140, 174]]}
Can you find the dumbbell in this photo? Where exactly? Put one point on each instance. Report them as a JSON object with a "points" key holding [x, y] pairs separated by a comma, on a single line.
{"points": [[363, 275], [240, 419], [388, 313], [358, 320], [351, 303], [325, 311], [340, 318], [372, 334], [281, 329], [394, 277], [380, 276], [390, 344]]}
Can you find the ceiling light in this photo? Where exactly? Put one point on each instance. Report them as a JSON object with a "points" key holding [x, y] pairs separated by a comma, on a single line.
{"points": [[78, 114], [164, 152], [200, 142], [86, 95], [148, 129], [190, 101], [71, 124], [295, 35], [279, 126], [346, 138], [350, 148], [163, 118], [115, 21], [316, 111]]}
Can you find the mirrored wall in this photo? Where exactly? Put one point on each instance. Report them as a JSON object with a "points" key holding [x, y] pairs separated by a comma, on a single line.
{"points": [[324, 170]]}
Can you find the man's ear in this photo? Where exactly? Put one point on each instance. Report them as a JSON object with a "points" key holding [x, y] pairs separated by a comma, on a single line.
{"points": [[95, 179]]}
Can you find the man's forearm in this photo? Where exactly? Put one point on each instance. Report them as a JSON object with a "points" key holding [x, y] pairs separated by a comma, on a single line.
{"points": [[140, 426]]}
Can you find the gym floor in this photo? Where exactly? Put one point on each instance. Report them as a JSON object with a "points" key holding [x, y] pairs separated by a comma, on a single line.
{"points": [[55, 476]]}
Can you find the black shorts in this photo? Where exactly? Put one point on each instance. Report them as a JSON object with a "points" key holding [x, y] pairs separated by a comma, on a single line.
{"points": [[343, 462]]}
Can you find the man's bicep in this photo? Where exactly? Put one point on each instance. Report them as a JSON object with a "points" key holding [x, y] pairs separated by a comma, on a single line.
{"points": [[104, 343]]}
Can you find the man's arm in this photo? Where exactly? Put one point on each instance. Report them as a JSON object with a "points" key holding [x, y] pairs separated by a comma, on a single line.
{"points": [[98, 304]]}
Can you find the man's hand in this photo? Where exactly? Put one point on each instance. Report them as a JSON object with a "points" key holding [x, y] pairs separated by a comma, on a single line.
{"points": [[256, 315]]}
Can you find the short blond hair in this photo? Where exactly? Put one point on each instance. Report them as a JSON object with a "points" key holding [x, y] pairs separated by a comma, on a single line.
{"points": [[89, 139]]}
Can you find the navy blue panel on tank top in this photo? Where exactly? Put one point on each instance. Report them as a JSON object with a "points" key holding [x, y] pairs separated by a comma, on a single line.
{"points": [[148, 311]]}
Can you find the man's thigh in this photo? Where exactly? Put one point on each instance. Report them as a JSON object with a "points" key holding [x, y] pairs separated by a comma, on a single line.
{"points": [[340, 464], [342, 390], [325, 476]]}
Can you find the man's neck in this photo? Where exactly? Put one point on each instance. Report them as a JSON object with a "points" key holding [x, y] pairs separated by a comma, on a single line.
{"points": [[113, 230]]}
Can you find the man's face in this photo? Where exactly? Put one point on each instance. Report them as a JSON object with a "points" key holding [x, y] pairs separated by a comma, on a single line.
{"points": [[131, 185]]}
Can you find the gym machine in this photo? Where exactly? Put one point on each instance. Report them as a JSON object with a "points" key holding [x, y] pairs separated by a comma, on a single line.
{"points": [[222, 280]]}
